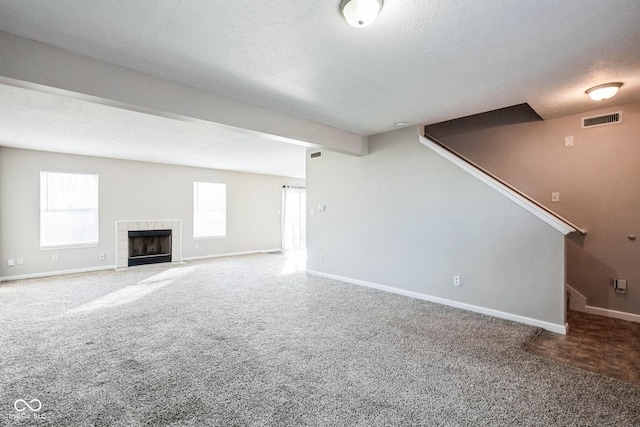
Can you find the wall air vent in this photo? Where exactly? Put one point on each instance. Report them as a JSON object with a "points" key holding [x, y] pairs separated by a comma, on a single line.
{"points": [[316, 154], [607, 119]]}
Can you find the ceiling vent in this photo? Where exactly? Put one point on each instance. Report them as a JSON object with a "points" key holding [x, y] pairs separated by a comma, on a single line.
{"points": [[607, 119], [316, 154]]}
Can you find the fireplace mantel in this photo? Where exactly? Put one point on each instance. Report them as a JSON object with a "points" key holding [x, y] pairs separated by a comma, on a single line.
{"points": [[122, 238]]}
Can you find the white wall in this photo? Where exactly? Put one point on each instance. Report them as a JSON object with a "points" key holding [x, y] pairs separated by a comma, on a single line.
{"points": [[403, 217], [129, 191]]}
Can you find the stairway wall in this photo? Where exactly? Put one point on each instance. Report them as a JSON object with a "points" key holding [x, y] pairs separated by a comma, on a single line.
{"points": [[599, 183], [407, 220]]}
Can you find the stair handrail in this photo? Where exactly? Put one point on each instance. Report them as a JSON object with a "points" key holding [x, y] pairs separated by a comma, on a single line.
{"points": [[484, 171]]}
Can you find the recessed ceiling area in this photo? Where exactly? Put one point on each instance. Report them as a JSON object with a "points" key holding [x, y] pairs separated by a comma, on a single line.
{"points": [[420, 62]]}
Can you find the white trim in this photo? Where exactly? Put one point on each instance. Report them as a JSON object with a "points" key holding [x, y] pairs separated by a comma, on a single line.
{"points": [[70, 246], [210, 238], [577, 301], [57, 273], [554, 222], [260, 251], [557, 328], [613, 313], [581, 305], [112, 267]]}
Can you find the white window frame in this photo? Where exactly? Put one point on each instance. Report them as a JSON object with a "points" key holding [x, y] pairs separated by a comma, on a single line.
{"points": [[206, 209], [49, 208]]}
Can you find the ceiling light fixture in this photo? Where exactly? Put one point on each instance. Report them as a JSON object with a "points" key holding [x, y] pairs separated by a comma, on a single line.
{"points": [[602, 92], [360, 13]]}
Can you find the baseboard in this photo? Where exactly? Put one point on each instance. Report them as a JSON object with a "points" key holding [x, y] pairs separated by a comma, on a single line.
{"points": [[113, 267], [613, 313], [261, 251], [580, 304], [552, 327], [56, 273], [577, 302]]}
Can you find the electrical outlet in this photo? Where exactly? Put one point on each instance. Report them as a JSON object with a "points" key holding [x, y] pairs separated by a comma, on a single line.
{"points": [[568, 141], [102, 257], [11, 262], [456, 280], [555, 197], [20, 261], [54, 258], [321, 258]]}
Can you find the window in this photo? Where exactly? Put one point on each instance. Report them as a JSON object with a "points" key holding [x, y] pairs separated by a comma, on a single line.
{"points": [[68, 209], [209, 210]]}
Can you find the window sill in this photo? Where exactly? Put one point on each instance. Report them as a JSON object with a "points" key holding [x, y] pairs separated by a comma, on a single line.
{"points": [[69, 246], [210, 238]]}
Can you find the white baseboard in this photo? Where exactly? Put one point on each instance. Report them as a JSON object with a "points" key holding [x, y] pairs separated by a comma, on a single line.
{"points": [[580, 304], [552, 327], [613, 313], [56, 273], [113, 267], [261, 251], [577, 301]]}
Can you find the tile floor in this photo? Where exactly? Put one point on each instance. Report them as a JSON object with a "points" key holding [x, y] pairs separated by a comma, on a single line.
{"points": [[599, 344]]}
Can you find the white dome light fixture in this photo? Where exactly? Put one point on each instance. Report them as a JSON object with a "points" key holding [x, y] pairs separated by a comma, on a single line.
{"points": [[360, 13], [602, 92]]}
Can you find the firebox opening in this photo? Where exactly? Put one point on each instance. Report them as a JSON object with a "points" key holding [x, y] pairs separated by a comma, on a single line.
{"points": [[149, 247]]}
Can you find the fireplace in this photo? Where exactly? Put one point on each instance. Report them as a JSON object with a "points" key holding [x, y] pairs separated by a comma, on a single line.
{"points": [[149, 247], [172, 244]]}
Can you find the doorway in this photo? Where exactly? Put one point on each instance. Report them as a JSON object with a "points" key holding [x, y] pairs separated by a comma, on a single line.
{"points": [[294, 221]]}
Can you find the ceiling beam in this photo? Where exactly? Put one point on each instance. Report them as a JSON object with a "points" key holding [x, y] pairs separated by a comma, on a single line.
{"points": [[39, 66]]}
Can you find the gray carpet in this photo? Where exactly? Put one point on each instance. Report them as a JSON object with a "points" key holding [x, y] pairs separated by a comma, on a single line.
{"points": [[235, 341]]}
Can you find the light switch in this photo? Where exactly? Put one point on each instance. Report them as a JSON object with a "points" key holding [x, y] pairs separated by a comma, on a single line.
{"points": [[620, 285]]}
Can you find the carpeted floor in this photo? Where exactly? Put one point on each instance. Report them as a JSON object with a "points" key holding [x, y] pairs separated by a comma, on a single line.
{"points": [[248, 341]]}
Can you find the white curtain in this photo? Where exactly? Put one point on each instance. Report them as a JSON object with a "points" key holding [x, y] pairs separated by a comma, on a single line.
{"points": [[294, 221]]}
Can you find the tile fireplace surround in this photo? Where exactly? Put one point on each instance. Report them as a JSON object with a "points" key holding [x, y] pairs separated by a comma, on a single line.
{"points": [[122, 238]]}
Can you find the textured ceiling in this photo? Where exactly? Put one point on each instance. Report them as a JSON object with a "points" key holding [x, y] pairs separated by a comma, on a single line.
{"points": [[421, 62], [49, 122]]}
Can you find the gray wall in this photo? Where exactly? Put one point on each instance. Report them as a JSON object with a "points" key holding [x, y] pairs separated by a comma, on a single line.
{"points": [[599, 184], [129, 191], [406, 218]]}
